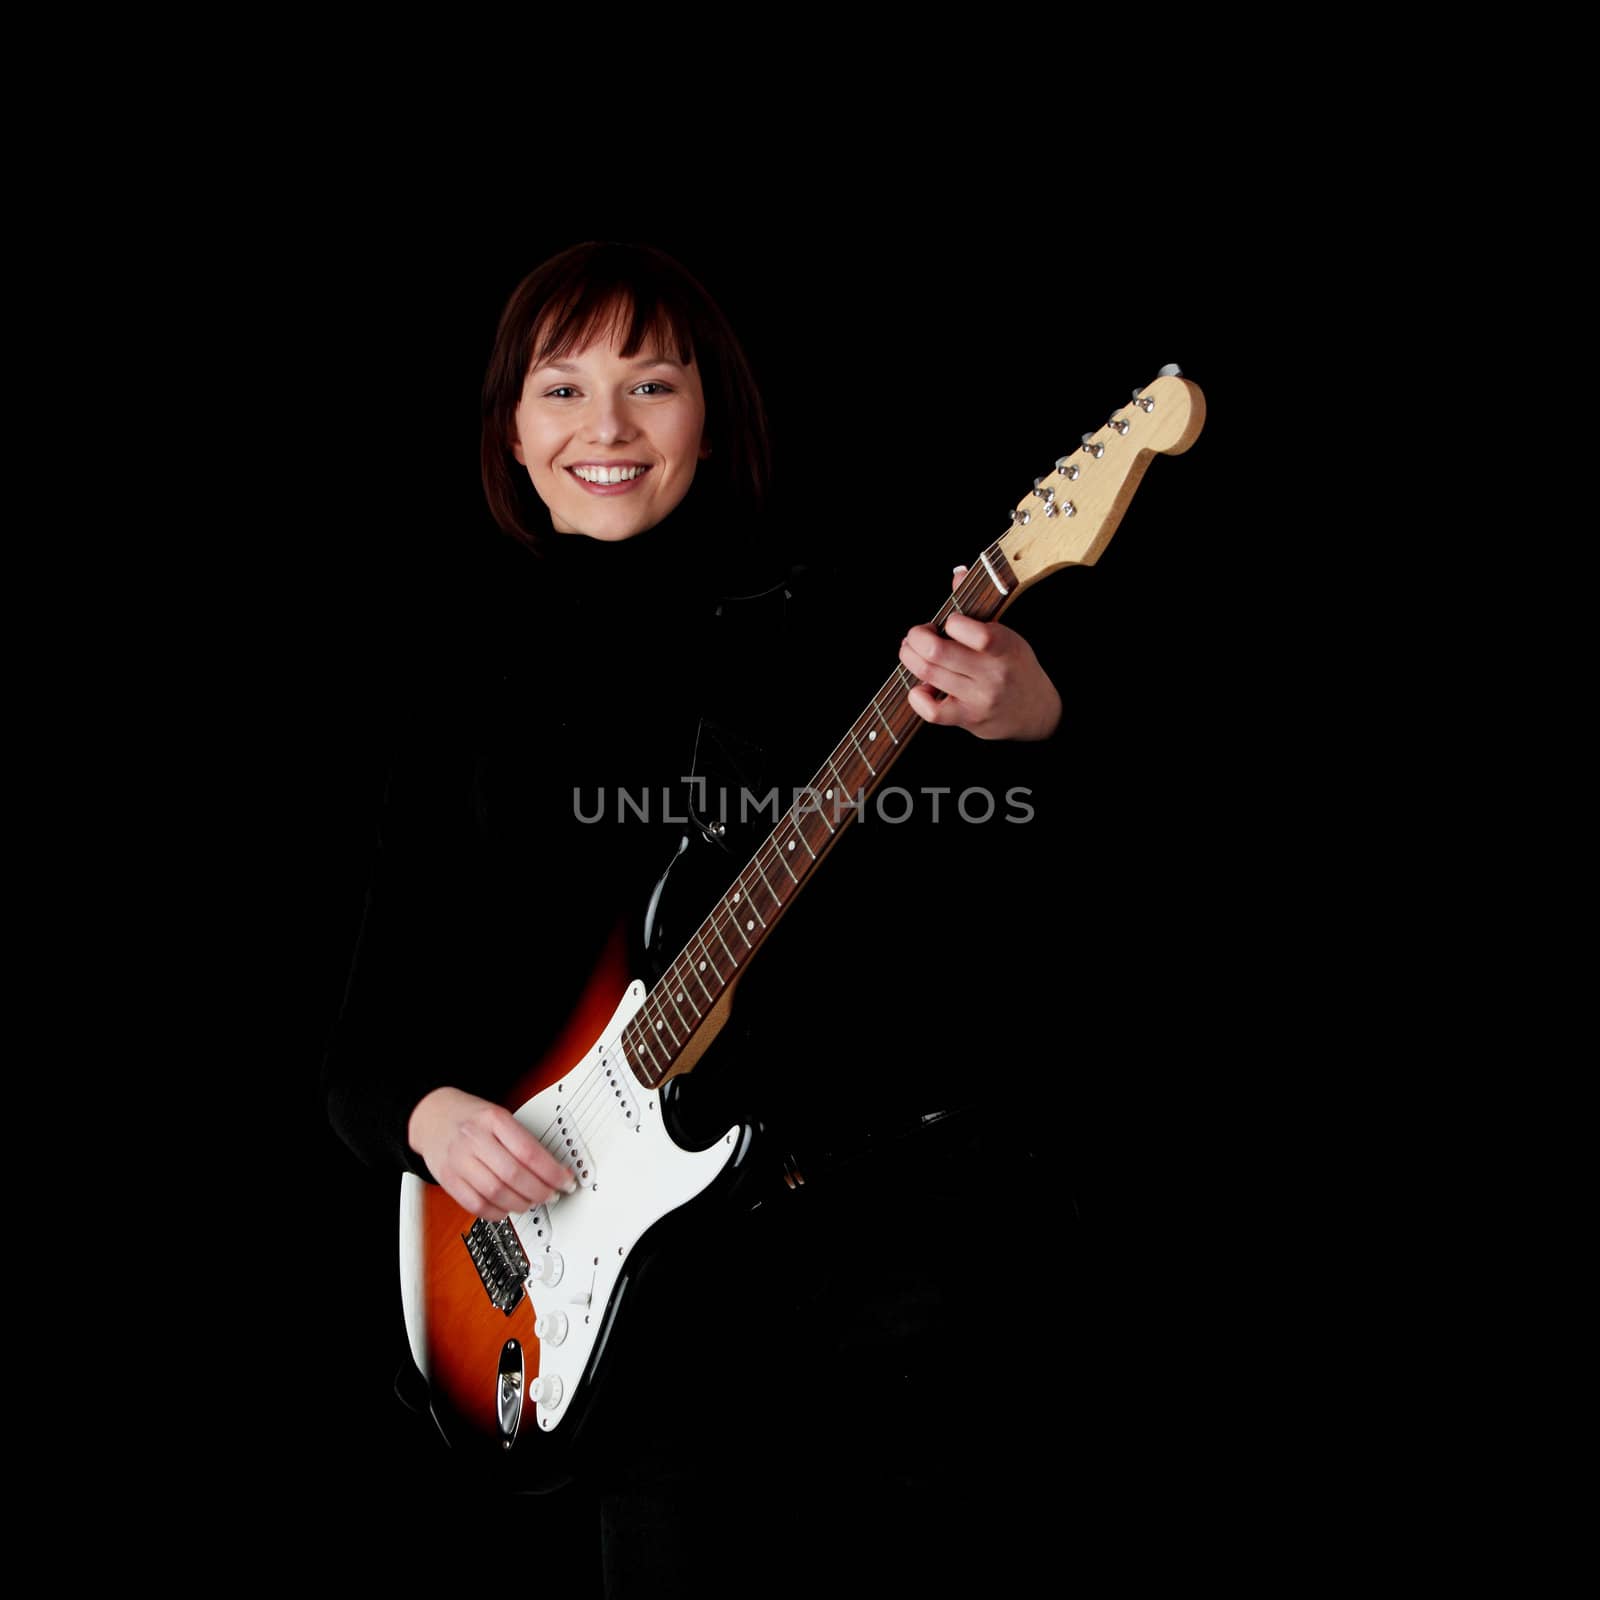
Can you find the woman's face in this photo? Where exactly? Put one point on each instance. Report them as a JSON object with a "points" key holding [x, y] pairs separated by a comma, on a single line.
{"points": [[593, 417]]}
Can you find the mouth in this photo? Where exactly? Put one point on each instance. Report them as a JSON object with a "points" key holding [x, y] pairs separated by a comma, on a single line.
{"points": [[608, 478]]}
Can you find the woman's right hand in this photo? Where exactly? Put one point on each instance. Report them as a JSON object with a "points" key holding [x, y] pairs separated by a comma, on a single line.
{"points": [[484, 1159]]}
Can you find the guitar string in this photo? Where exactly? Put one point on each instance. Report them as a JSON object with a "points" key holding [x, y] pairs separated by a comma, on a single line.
{"points": [[769, 855], [978, 576], [724, 918], [592, 1084], [768, 862], [969, 589]]}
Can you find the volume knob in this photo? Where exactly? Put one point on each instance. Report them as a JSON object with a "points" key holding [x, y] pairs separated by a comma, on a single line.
{"points": [[551, 1328], [546, 1392], [545, 1268]]}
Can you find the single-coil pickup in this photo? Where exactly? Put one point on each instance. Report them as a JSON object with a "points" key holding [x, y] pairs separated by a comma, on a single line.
{"points": [[566, 1145], [616, 1086]]}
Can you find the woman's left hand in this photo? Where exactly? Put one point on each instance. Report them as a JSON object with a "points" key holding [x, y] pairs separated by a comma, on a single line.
{"points": [[993, 683]]}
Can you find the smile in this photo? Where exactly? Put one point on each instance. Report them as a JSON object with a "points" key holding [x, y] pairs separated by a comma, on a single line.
{"points": [[595, 477]]}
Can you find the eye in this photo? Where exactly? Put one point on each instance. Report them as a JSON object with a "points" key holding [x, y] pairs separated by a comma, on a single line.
{"points": [[656, 383], [559, 389]]}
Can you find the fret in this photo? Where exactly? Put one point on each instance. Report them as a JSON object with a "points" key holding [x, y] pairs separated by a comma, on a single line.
{"points": [[706, 961], [770, 890], [884, 720], [838, 782], [687, 1030], [862, 753], [727, 950], [783, 856], [742, 895], [732, 957], [816, 789], [642, 1041], [663, 1023], [803, 840], [635, 1065]]}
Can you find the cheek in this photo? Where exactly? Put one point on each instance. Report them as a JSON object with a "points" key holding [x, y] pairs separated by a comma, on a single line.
{"points": [[536, 448], [693, 434]]}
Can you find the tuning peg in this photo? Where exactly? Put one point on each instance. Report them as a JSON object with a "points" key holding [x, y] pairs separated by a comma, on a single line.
{"points": [[1120, 424], [1091, 448], [1067, 467], [1018, 514], [1043, 490], [1171, 370]]}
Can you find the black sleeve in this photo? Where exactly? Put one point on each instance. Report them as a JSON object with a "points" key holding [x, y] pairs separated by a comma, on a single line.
{"points": [[487, 905], [391, 1043]]}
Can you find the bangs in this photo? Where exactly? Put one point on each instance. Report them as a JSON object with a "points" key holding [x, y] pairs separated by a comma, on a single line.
{"points": [[639, 300], [611, 311]]}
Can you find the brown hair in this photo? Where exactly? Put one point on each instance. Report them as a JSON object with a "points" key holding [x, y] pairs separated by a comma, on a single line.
{"points": [[576, 296]]}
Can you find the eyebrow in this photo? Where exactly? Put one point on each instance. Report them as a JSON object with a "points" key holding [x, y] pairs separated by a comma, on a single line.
{"points": [[643, 361]]}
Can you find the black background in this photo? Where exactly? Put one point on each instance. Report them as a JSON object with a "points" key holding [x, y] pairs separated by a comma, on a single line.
{"points": [[922, 352]]}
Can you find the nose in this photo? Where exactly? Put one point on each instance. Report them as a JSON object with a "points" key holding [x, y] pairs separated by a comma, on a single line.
{"points": [[609, 419]]}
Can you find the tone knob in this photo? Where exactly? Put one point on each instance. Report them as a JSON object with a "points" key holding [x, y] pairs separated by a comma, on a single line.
{"points": [[545, 1268], [546, 1392], [551, 1328]]}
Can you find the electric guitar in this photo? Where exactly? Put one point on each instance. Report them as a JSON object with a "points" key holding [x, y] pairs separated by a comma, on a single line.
{"points": [[507, 1320]]}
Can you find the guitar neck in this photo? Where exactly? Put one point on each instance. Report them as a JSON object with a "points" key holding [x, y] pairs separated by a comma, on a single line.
{"points": [[1067, 519], [656, 1041]]}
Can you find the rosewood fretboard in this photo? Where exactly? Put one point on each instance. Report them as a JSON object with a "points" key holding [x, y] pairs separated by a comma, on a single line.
{"points": [[727, 941]]}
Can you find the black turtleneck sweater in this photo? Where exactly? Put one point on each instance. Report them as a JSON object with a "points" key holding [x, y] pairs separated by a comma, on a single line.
{"points": [[897, 985]]}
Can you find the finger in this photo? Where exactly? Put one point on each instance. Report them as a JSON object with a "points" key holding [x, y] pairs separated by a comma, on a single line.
{"points": [[529, 1153], [516, 1186], [953, 683], [972, 634], [929, 651], [947, 711], [957, 574], [520, 1178], [503, 1197]]}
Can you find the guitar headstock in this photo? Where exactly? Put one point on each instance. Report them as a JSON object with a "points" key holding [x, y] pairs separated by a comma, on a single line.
{"points": [[1069, 516]]}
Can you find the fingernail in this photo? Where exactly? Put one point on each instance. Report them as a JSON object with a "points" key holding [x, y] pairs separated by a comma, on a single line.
{"points": [[570, 1186]]}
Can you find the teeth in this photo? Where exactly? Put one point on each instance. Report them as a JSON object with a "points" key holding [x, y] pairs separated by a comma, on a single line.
{"points": [[608, 474]]}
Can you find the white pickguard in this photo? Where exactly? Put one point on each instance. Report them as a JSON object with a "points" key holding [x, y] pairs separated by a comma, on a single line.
{"points": [[631, 1174]]}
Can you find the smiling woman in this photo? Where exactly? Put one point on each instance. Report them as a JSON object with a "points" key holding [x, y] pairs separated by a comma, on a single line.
{"points": [[658, 638], [613, 356]]}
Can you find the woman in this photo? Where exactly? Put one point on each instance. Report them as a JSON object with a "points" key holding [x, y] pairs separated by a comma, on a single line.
{"points": [[659, 633]]}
